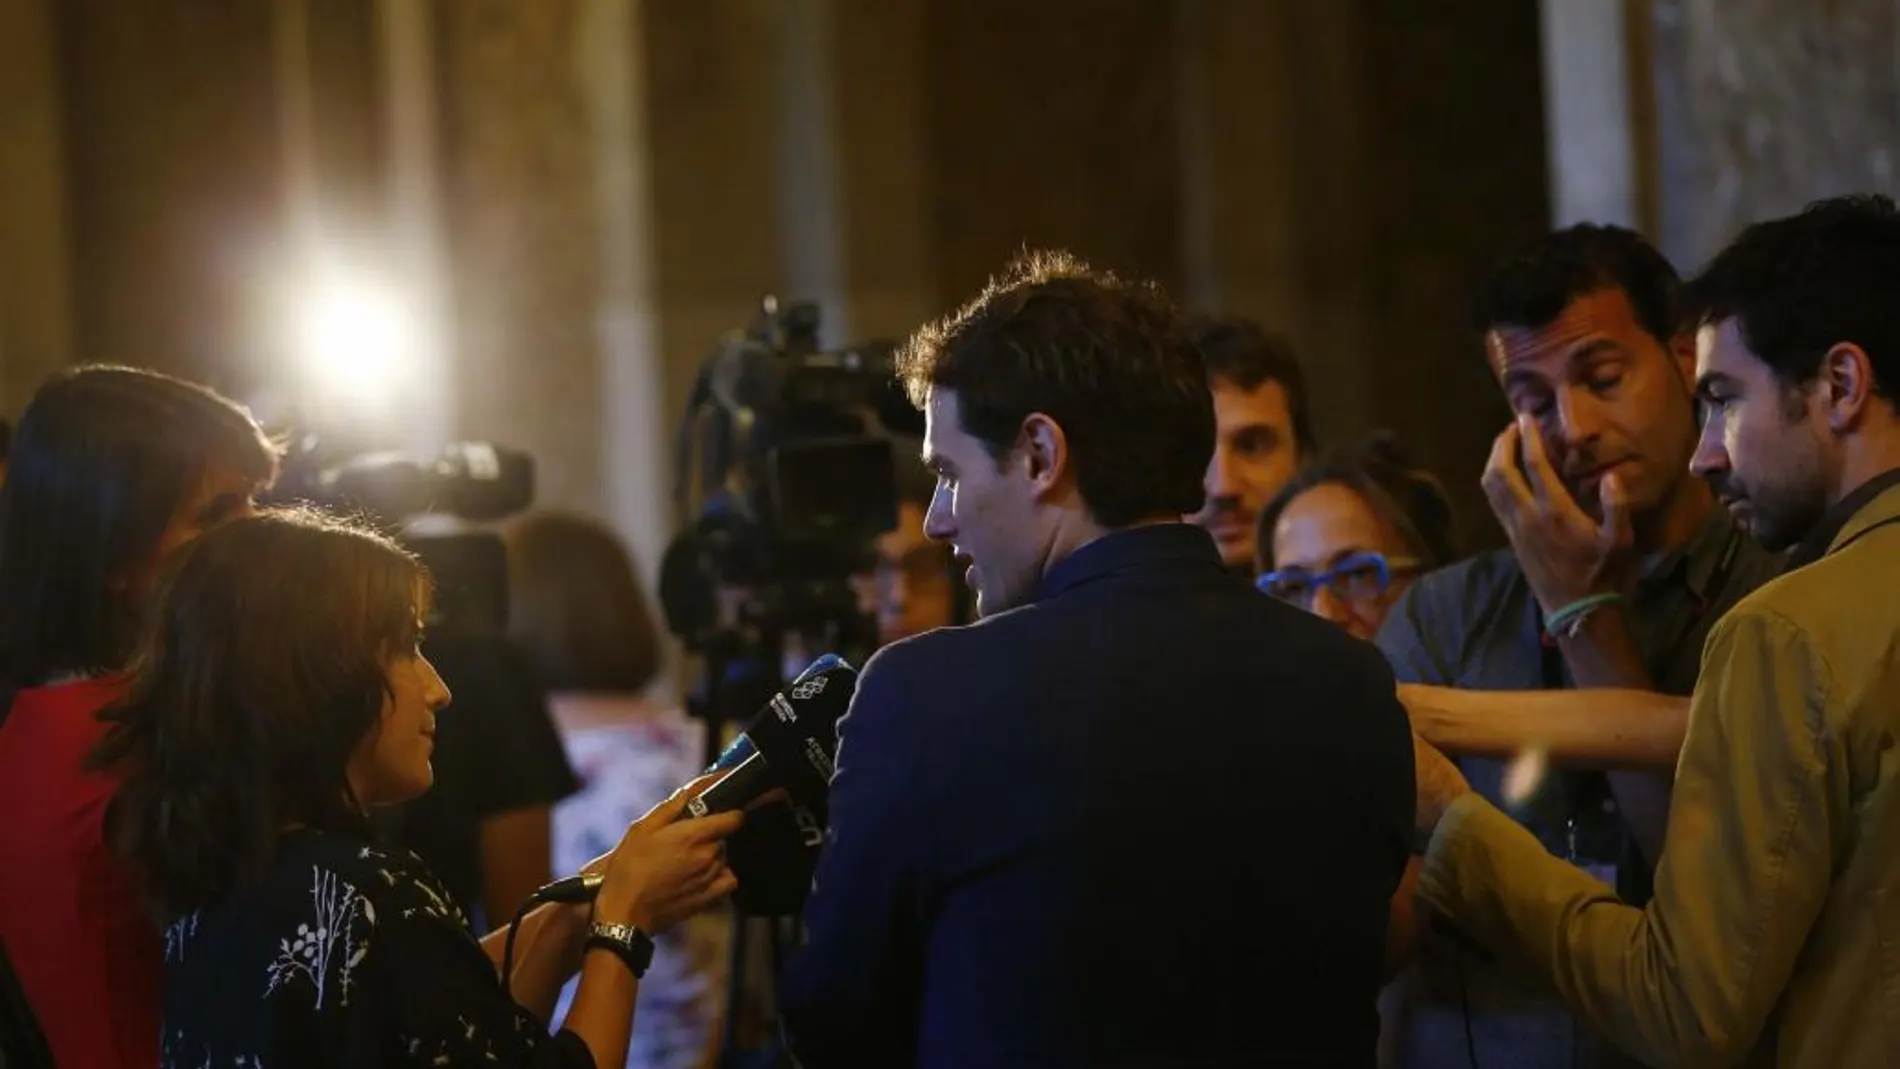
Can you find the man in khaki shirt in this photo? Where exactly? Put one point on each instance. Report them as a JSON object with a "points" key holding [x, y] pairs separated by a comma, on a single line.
{"points": [[1774, 933]]}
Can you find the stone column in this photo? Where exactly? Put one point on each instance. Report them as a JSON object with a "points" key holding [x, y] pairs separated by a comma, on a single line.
{"points": [[1357, 164], [36, 328], [1591, 119], [1765, 105], [635, 447], [885, 171], [171, 181], [524, 237]]}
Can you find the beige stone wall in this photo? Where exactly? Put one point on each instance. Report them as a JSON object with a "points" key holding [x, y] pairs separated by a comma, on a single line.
{"points": [[521, 228], [620, 181], [1769, 104], [36, 329]]}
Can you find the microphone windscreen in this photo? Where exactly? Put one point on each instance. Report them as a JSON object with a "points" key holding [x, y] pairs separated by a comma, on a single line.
{"points": [[797, 732], [743, 747]]}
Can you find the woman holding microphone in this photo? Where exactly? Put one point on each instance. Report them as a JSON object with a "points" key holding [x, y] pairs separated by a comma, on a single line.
{"points": [[279, 692]]}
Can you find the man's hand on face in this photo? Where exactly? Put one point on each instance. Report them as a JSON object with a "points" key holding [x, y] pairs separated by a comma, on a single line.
{"points": [[1565, 553]]}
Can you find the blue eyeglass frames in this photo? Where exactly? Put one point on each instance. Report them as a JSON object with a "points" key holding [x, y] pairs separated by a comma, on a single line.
{"points": [[1360, 577]]}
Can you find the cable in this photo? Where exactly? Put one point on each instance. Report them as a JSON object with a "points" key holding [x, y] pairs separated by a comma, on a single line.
{"points": [[570, 891], [508, 945]]}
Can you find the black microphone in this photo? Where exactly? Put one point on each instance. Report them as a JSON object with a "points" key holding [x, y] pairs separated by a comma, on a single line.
{"points": [[791, 743], [794, 742]]}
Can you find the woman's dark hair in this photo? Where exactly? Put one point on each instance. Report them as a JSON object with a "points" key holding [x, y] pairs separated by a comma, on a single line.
{"points": [[577, 607], [1110, 361], [1379, 469], [261, 669], [102, 460]]}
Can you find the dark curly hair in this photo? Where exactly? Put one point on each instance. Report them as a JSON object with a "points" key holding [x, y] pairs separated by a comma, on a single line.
{"points": [[1110, 361], [1533, 286], [1248, 356], [1800, 285], [261, 670], [1380, 470]]}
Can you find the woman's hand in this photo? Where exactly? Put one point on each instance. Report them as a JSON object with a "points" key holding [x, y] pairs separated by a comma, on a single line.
{"points": [[665, 869]]}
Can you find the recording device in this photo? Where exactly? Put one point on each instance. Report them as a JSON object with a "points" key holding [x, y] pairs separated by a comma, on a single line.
{"points": [[476, 481], [786, 479], [786, 474], [472, 480], [792, 744]]}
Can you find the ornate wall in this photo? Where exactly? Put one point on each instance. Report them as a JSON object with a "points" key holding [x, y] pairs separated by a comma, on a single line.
{"points": [[1764, 105]]}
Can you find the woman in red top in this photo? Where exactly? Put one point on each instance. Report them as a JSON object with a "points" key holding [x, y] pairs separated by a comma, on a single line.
{"points": [[111, 469]]}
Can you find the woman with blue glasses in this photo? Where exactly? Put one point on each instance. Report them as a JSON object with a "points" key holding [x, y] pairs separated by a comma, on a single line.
{"points": [[1346, 537], [1343, 540]]}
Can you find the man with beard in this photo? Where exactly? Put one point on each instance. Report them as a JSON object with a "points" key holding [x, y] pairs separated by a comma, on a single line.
{"points": [[1619, 563], [1263, 431], [1045, 845], [1769, 938]]}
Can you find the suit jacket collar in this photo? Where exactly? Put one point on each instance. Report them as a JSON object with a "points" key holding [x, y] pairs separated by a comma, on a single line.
{"points": [[1130, 548], [1872, 503]]}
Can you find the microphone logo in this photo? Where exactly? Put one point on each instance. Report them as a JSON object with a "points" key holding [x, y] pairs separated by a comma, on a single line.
{"points": [[809, 689]]}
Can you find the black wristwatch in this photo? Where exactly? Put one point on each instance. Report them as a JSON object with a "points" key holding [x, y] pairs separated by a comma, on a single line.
{"points": [[628, 943]]}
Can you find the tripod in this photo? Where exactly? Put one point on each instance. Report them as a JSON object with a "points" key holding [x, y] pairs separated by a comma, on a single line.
{"points": [[745, 665]]}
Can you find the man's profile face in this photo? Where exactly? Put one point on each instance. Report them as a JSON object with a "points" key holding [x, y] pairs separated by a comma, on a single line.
{"points": [[1606, 395], [983, 506], [1255, 454], [1759, 448]]}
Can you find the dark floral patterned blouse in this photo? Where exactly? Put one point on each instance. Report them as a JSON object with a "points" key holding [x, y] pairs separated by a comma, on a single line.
{"points": [[346, 955]]}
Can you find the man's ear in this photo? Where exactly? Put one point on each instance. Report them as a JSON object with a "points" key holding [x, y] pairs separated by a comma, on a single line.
{"points": [[1682, 352], [1847, 385], [1045, 451]]}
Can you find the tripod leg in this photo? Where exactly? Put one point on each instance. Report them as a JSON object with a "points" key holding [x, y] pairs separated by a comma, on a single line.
{"points": [[729, 1053]]}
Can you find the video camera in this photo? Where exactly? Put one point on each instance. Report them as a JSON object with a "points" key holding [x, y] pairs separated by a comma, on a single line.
{"points": [[477, 481], [786, 478]]}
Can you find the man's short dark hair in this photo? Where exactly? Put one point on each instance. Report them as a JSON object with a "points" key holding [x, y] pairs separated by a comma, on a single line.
{"points": [[1532, 287], [1242, 354], [1800, 285], [102, 460], [1109, 360]]}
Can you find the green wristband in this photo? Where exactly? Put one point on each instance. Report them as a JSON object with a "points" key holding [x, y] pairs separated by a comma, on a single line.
{"points": [[1566, 620]]}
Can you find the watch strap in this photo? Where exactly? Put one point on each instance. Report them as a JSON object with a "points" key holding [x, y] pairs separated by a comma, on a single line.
{"points": [[628, 943]]}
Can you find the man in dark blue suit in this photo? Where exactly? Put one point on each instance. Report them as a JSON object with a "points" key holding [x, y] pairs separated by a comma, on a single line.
{"points": [[1138, 814]]}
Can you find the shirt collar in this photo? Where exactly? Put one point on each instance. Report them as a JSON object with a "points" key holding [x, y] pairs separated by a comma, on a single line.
{"points": [[1147, 545], [1820, 541], [1700, 562]]}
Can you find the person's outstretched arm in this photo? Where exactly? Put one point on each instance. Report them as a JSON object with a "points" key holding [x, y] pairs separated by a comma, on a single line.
{"points": [[1599, 727]]}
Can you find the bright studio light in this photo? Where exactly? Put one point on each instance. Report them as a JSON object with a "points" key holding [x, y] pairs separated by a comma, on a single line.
{"points": [[356, 341]]}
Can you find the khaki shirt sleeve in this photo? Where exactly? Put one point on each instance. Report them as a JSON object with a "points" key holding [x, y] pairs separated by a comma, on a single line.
{"points": [[1692, 979]]}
